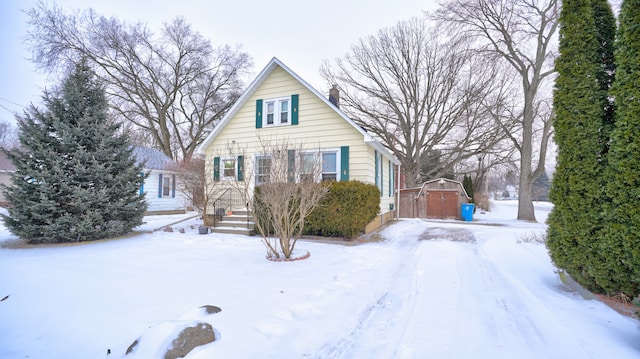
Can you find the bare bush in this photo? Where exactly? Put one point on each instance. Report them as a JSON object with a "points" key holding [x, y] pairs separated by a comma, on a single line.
{"points": [[289, 187]]}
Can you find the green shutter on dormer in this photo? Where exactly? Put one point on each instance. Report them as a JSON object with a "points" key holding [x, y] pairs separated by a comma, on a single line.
{"points": [[259, 113], [294, 109], [216, 169], [344, 163]]}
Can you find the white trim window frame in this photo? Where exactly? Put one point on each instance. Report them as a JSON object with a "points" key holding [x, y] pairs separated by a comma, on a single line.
{"points": [[277, 112], [166, 185], [229, 168], [307, 163], [330, 165], [262, 169], [328, 162]]}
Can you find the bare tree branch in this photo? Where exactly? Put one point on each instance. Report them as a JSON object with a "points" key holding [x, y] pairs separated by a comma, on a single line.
{"points": [[175, 86], [418, 93], [520, 33]]}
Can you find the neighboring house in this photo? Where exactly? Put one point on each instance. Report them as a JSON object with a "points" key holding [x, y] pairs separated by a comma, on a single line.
{"points": [[6, 169], [280, 107], [160, 187], [440, 198]]}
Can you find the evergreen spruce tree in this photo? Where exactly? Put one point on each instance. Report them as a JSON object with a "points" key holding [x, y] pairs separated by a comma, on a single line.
{"points": [[620, 267], [575, 222], [76, 178], [540, 189]]}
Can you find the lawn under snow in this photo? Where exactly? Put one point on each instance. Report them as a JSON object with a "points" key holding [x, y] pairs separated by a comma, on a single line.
{"points": [[430, 289]]}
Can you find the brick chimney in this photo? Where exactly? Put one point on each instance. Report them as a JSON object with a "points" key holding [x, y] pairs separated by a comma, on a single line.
{"points": [[334, 96]]}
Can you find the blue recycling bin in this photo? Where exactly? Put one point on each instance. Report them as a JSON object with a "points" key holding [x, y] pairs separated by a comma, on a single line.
{"points": [[467, 211]]}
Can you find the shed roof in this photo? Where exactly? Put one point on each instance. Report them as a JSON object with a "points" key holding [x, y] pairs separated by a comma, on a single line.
{"points": [[152, 158], [443, 180]]}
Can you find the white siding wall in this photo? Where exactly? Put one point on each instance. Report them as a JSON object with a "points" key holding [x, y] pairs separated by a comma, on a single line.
{"points": [[164, 203]]}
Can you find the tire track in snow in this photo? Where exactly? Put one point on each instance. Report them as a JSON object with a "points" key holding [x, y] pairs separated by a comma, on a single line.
{"points": [[372, 325], [451, 300]]}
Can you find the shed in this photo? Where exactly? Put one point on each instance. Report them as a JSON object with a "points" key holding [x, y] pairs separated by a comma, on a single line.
{"points": [[440, 198], [162, 191]]}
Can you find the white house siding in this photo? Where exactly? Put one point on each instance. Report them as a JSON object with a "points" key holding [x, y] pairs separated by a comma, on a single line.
{"points": [[165, 204]]}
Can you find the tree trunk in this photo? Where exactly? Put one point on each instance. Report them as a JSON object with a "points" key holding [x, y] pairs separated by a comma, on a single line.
{"points": [[525, 203]]}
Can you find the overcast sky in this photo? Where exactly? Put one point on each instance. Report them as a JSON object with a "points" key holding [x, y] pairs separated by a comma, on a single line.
{"points": [[307, 33]]}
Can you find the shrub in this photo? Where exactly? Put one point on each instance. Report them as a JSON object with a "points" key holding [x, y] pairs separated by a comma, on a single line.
{"points": [[345, 211]]}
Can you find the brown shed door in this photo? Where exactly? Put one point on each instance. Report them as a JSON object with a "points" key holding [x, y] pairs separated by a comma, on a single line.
{"points": [[442, 205]]}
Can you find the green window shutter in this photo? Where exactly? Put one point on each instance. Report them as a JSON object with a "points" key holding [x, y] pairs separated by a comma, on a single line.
{"points": [[381, 176], [344, 163], [375, 157], [160, 185], [259, 113], [291, 166], [294, 109], [216, 169], [173, 186], [390, 179], [240, 168]]}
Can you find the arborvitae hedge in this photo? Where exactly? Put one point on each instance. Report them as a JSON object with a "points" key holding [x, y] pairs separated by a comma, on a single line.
{"points": [[619, 268], [345, 211], [576, 191]]}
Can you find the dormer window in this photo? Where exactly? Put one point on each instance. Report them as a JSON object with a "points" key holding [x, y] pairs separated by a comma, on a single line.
{"points": [[277, 112]]}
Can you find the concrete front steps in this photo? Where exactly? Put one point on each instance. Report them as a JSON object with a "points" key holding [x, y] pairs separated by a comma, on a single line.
{"points": [[236, 223]]}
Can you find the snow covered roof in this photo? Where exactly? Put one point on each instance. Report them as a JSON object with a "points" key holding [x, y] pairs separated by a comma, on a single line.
{"points": [[153, 159]]}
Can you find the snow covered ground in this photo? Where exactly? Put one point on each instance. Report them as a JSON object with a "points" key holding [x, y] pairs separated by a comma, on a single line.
{"points": [[437, 289]]}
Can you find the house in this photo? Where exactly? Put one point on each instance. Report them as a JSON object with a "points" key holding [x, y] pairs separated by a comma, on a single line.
{"points": [[6, 169], [160, 187], [279, 108], [440, 198]]}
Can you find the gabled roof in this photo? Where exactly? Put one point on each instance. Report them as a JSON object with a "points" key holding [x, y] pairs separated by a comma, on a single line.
{"points": [[152, 158], [257, 82], [442, 180]]}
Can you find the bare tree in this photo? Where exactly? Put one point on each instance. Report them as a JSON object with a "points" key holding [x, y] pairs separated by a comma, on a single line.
{"points": [[174, 86], [520, 33], [288, 189], [196, 186], [419, 93], [8, 135]]}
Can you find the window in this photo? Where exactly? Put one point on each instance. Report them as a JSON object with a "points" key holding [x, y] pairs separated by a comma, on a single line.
{"points": [[307, 166], [229, 168], [284, 111], [277, 111], [166, 186], [329, 166], [263, 169]]}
